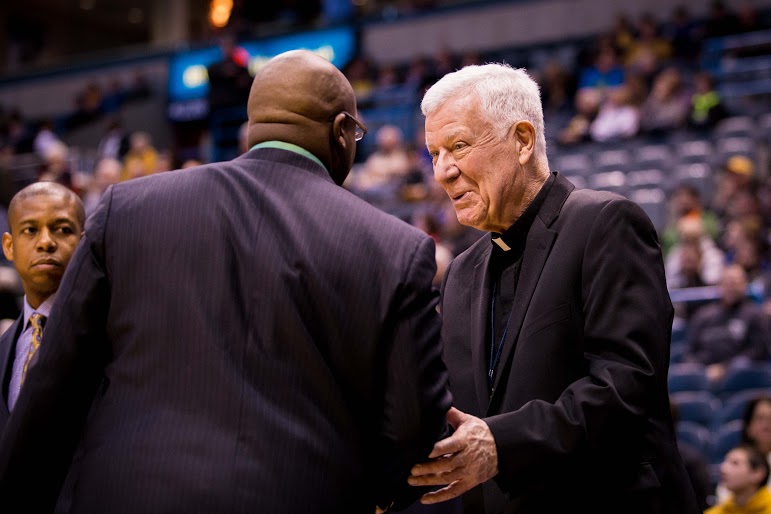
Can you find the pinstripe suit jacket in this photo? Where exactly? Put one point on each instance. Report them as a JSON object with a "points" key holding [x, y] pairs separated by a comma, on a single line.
{"points": [[269, 343]]}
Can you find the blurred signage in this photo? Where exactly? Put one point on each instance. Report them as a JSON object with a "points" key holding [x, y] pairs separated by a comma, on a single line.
{"points": [[188, 84]]}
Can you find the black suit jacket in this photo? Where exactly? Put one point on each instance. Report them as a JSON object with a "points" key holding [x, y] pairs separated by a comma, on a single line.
{"points": [[580, 412], [268, 342], [7, 353]]}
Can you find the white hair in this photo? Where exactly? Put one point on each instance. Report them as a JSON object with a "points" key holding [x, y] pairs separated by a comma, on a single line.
{"points": [[506, 95]]}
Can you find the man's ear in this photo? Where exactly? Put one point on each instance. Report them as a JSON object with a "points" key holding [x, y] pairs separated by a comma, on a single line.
{"points": [[338, 130], [8, 246], [524, 132]]}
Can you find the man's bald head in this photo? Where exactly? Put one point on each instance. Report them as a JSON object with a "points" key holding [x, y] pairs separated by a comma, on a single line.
{"points": [[47, 189], [296, 97]]}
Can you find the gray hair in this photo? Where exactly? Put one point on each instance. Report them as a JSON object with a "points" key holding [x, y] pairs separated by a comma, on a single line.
{"points": [[506, 95]]}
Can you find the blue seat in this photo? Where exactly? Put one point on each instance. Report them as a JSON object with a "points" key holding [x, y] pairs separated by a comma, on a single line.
{"points": [[733, 406], [697, 436], [756, 375], [696, 407], [725, 438], [687, 377]]}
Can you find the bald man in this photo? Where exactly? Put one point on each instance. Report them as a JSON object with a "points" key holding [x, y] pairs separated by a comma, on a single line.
{"points": [[268, 341], [45, 224]]}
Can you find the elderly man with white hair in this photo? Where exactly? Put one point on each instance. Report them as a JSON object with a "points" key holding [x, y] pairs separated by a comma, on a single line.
{"points": [[556, 326]]}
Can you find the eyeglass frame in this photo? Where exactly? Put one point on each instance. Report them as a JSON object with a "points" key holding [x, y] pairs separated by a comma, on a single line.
{"points": [[361, 129]]}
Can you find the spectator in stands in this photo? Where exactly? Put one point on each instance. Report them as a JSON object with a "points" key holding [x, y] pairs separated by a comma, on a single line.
{"points": [[229, 78], [667, 106], [706, 105], [604, 73], [729, 331], [648, 50], [106, 173], [56, 165], [695, 463], [45, 222], [361, 76], [748, 19], [757, 424], [389, 163], [756, 431], [45, 137], [618, 117], [685, 202], [720, 21], [688, 273], [684, 34], [744, 472], [557, 88], [623, 33], [114, 144], [736, 174], [577, 130], [691, 232], [142, 157]]}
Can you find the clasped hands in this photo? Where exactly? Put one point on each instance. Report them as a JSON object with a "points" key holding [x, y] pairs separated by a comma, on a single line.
{"points": [[459, 462]]}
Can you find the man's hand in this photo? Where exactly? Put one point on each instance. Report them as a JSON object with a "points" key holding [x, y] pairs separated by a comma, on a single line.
{"points": [[460, 462]]}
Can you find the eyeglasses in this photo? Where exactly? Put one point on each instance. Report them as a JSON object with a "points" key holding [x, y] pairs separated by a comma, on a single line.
{"points": [[360, 128]]}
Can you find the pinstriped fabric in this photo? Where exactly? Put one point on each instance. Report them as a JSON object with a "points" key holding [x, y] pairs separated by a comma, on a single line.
{"points": [[272, 345], [37, 321]]}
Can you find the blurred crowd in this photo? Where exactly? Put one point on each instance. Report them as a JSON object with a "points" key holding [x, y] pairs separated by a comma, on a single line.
{"points": [[641, 79]]}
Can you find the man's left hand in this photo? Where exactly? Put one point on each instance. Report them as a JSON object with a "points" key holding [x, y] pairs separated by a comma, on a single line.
{"points": [[460, 462]]}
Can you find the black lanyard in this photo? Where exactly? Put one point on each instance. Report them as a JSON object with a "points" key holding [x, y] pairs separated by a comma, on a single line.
{"points": [[495, 350]]}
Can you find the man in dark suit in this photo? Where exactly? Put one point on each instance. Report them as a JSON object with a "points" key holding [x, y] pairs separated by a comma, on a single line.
{"points": [[45, 224], [556, 327], [267, 342]]}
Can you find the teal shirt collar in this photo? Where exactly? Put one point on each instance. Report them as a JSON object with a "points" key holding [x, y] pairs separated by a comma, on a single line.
{"points": [[290, 147]]}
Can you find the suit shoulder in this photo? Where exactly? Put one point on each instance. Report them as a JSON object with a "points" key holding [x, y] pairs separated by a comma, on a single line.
{"points": [[592, 202]]}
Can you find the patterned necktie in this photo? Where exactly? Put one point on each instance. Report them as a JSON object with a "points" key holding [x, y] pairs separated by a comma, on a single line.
{"points": [[36, 320]]}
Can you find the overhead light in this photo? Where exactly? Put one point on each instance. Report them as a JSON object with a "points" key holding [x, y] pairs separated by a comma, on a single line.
{"points": [[87, 5], [219, 12]]}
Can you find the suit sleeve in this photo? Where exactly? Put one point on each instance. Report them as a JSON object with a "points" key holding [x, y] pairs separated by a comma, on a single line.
{"points": [[45, 426], [627, 329], [416, 392]]}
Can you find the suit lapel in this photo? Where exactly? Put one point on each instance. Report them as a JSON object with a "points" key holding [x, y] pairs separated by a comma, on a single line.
{"points": [[539, 243], [7, 351], [479, 312]]}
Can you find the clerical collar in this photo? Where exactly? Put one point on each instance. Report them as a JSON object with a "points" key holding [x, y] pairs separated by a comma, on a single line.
{"points": [[515, 236]]}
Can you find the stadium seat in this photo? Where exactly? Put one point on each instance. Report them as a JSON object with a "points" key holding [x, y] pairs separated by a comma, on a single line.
{"points": [[733, 407], [608, 181], [697, 436], [735, 126], [694, 151], [613, 159], [687, 377], [696, 407], [574, 164], [676, 354], [653, 201], [656, 155], [645, 177], [726, 437], [740, 378]]}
